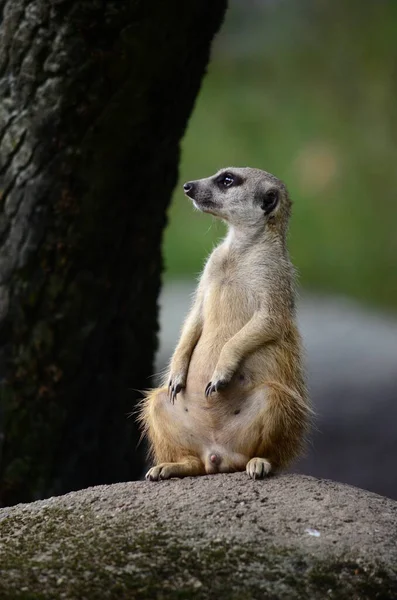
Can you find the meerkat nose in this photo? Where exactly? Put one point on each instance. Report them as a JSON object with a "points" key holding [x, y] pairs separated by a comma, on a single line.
{"points": [[187, 186]]}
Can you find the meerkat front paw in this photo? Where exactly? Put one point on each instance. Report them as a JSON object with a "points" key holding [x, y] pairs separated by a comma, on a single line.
{"points": [[217, 383], [258, 468], [176, 383], [222, 376]]}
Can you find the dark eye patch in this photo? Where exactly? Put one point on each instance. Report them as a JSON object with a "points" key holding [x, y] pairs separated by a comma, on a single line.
{"points": [[228, 179]]}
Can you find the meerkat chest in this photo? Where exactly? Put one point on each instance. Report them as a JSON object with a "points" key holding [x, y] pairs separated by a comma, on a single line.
{"points": [[225, 268], [231, 296]]}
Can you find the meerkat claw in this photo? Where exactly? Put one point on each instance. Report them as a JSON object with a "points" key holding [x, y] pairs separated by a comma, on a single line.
{"points": [[173, 394], [173, 390], [258, 468], [215, 387], [210, 389]]}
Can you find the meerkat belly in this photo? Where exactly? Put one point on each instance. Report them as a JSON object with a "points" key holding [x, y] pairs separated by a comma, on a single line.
{"points": [[220, 422], [221, 429], [222, 425]]}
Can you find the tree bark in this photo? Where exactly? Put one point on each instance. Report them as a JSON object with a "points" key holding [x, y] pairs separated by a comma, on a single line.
{"points": [[95, 96]]}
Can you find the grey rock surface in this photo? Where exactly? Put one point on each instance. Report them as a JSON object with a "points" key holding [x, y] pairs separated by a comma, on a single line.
{"points": [[220, 536], [352, 375]]}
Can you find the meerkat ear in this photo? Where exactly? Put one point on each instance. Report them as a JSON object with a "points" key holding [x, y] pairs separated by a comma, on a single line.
{"points": [[269, 201]]}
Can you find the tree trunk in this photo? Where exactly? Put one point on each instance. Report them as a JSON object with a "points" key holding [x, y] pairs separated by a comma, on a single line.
{"points": [[95, 96]]}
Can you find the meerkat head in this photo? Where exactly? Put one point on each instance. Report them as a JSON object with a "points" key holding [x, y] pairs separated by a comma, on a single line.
{"points": [[242, 197]]}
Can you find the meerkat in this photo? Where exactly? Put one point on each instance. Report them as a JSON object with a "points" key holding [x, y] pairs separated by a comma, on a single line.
{"points": [[234, 398]]}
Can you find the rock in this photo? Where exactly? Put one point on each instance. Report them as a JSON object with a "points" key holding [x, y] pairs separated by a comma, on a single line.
{"points": [[219, 536], [352, 375]]}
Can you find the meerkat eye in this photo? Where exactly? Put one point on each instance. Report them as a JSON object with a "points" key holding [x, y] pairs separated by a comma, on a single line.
{"points": [[269, 201], [226, 180]]}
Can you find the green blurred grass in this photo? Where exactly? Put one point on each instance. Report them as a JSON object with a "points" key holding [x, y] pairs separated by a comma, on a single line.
{"points": [[316, 106]]}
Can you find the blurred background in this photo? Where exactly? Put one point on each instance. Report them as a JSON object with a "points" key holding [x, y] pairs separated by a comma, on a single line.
{"points": [[307, 89]]}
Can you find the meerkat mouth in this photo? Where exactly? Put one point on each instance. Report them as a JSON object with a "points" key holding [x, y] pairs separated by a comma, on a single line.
{"points": [[204, 205]]}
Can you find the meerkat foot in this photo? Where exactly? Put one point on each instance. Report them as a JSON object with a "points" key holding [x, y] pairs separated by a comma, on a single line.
{"points": [[258, 468], [162, 471], [178, 469]]}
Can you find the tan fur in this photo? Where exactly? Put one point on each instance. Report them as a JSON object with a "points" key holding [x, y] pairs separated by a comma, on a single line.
{"points": [[240, 344]]}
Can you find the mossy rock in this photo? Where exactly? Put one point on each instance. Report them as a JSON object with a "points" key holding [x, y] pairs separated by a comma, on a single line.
{"points": [[222, 536]]}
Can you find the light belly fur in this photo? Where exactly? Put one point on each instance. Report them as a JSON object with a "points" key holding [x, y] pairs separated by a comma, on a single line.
{"points": [[218, 422]]}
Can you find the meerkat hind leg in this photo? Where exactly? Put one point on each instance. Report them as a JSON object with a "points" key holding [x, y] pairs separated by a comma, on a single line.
{"points": [[190, 467], [258, 468]]}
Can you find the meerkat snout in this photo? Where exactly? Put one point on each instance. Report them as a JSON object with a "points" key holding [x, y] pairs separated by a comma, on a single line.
{"points": [[241, 197], [188, 186]]}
